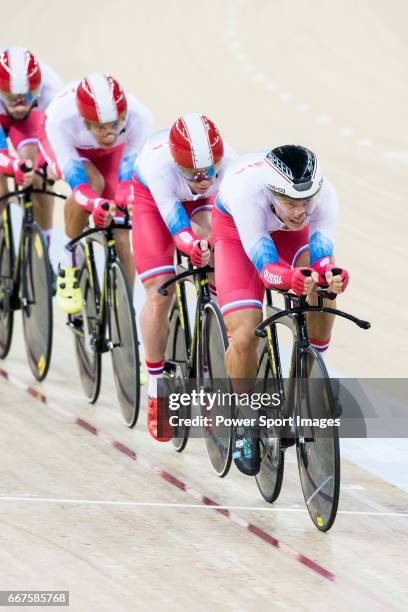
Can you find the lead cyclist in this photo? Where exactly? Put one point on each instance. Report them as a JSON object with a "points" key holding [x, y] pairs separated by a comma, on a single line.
{"points": [[275, 215]]}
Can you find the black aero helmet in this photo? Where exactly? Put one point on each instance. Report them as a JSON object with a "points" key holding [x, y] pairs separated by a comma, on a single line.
{"points": [[293, 171]]}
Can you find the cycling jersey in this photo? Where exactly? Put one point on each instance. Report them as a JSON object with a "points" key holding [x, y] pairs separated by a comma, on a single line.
{"points": [[248, 234], [243, 196], [66, 141], [156, 170], [164, 205]]}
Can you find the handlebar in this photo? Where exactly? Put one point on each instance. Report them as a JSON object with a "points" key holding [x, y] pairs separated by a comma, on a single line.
{"points": [[197, 271], [93, 230], [261, 332], [31, 190]]}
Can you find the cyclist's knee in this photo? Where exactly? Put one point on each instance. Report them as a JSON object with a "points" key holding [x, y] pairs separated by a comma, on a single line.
{"points": [[241, 327], [158, 305], [75, 218]]}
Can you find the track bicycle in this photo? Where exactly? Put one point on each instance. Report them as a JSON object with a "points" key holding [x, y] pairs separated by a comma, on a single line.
{"points": [[306, 395], [198, 359], [107, 320], [26, 281]]}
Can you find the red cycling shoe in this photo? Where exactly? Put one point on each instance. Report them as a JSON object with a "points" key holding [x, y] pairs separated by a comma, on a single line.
{"points": [[155, 412]]}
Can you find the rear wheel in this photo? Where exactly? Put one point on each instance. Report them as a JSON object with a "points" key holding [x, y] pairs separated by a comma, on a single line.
{"points": [[36, 302], [318, 450], [125, 349], [270, 476], [176, 357], [6, 284], [86, 328], [213, 378]]}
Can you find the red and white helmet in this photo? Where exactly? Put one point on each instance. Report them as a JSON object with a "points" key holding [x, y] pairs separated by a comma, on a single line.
{"points": [[100, 99], [20, 71], [195, 143]]}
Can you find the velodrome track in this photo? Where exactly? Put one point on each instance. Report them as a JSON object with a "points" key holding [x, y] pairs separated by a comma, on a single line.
{"points": [[134, 532]]}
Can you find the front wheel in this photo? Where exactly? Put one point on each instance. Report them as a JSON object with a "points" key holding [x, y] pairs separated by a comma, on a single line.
{"points": [[270, 476], [213, 380], [86, 328], [317, 444], [36, 302], [176, 358], [6, 284], [125, 347]]}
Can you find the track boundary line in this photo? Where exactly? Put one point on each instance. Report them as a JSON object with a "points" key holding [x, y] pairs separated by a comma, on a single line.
{"points": [[260, 533]]}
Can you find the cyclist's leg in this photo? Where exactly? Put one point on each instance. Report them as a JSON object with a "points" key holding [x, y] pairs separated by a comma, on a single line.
{"points": [[319, 324], [3, 191], [125, 255], [240, 295], [24, 137], [69, 297], [153, 252]]}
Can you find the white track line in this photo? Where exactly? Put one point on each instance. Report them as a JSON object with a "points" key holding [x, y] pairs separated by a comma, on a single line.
{"points": [[125, 502], [233, 42]]}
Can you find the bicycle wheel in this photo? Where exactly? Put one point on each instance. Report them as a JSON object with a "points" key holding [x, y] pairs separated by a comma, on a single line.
{"points": [[318, 451], [125, 347], [6, 284], [213, 378], [270, 476], [36, 302], [86, 328], [176, 357]]}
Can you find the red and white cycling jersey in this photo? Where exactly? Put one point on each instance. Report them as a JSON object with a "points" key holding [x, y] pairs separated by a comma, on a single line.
{"points": [[156, 170], [66, 140], [243, 196]]}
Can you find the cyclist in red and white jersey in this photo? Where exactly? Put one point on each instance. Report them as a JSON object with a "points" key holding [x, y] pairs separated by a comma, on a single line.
{"points": [[275, 215], [91, 136], [177, 176], [27, 86]]}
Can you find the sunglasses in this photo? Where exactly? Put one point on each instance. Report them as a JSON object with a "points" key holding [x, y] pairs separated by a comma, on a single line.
{"points": [[12, 100], [113, 126], [197, 175]]}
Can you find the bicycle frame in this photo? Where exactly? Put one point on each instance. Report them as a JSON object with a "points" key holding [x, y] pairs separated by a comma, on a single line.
{"points": [[293, 316], [199, 278], [106, 239], [19, 294]]}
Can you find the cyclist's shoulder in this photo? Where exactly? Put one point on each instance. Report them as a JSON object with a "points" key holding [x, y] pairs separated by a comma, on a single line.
{"points": [[63, 106], [244, 176], [136, 109]]}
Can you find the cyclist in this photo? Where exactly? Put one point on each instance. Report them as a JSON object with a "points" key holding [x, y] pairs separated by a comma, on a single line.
{"points": [[275, 215], [177, 176], [27, 86], [91, 135]]}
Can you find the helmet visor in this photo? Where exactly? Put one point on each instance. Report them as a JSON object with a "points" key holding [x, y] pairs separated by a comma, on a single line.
{"points": [[294, 209], [11, 100], [102, 128], [197, 175]]}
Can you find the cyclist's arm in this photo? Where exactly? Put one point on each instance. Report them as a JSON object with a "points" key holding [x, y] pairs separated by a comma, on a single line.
{"points": [[251, 220], [60, 152], [6, 160], [322, 230], [173, 214]]}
